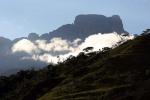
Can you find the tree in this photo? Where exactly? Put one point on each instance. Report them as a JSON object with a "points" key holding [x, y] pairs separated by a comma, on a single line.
{"points": [[87, 49], [106, 49], [147, 31]]}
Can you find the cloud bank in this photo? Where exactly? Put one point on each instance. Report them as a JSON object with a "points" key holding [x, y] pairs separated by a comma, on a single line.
{"points": [[24, 53], [58, 49]]}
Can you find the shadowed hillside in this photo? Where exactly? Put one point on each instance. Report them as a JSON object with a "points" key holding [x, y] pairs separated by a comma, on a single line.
{"points": [[122, 73]]}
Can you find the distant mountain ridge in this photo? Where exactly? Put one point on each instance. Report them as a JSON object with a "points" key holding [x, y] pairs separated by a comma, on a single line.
{"points": [[82, 27], [85, 25]]}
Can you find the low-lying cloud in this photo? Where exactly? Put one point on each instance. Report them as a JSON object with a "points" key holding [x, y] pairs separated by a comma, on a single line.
{"points": [[24, 45], [58, 49], [24, 53]]}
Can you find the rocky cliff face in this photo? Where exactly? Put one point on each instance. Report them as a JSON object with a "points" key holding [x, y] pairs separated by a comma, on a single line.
{"points": [[85, 25], [99, 23]]}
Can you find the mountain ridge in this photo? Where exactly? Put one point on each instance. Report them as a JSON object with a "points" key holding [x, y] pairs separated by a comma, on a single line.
{"points": [[85, 25]]}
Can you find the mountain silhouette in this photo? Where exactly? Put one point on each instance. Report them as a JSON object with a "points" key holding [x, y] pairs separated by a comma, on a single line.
{"points": [[85, 25]]}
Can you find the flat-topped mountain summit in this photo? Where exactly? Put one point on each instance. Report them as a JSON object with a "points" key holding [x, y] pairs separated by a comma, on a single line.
{"points": [[85, 25]]}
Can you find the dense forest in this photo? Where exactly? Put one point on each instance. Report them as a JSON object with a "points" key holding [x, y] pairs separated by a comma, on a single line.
{"points": [[122, 73]]}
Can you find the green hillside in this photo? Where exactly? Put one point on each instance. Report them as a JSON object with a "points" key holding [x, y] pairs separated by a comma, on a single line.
{"points": [[122, 73]]}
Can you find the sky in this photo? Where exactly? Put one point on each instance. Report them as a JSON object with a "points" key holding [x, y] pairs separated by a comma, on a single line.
{"points": [[18, 18]]}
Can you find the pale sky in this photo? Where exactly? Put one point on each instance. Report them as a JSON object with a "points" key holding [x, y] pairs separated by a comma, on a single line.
{"points": [[20, 17]]}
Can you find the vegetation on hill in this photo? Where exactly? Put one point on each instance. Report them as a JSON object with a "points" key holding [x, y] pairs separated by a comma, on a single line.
{"points": [[122, 73]]}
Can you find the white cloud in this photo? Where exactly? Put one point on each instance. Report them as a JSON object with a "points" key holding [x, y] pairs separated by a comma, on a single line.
{"points": [[24, 45], [56, 44], [99, 41], [48, 51]]}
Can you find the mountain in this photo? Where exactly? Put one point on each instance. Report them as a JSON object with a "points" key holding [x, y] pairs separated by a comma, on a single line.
{"points": [[122, 73], [4, 44], [82, 27], [85, 25]]}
